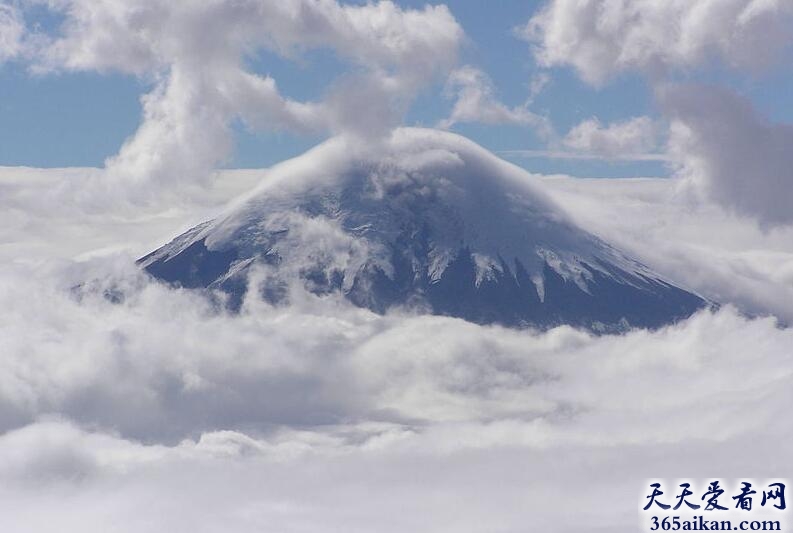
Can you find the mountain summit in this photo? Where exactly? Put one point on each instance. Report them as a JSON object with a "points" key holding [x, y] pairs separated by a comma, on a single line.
{"points": [[428, 220]]}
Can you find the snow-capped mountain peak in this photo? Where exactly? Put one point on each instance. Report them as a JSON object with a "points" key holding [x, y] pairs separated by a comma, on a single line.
{"points": [[424, 216]]}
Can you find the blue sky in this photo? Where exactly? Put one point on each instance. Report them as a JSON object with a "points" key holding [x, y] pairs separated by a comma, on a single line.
{"points": [[72, 118]]}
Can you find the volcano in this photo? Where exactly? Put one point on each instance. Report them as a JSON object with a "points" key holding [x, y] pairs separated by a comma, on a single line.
{"points": [[427, 221]]}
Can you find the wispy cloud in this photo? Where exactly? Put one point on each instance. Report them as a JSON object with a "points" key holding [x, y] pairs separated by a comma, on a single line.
{"points": [[475, 101], [12, 31], [561, 154]]}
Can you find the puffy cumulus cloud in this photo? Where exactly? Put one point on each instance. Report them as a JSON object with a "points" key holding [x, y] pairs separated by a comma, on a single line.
{"points": [[730, 153], [634, 138], [12, 31], [476, 101], [139, 35], [195, 51], [185, 129], [600, 38], [722, 147]]}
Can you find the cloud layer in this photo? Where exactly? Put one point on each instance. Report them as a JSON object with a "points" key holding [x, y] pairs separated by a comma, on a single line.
{"points": [[319, 416]]}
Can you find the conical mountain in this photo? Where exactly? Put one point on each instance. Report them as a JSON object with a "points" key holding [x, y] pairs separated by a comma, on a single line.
{"points": [[426, 219]]}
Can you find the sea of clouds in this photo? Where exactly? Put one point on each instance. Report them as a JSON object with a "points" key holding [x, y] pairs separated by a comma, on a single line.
{"points": [[160, 413]]}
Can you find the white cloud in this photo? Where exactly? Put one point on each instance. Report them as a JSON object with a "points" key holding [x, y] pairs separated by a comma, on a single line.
{"points": [[12, 30], [601, 38], [630, 138], [163, 366], [141, 35], [539, 81], [320, 416], [476, 101], [730, 153], [633, 139], [722, 147], [195, 51]]}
